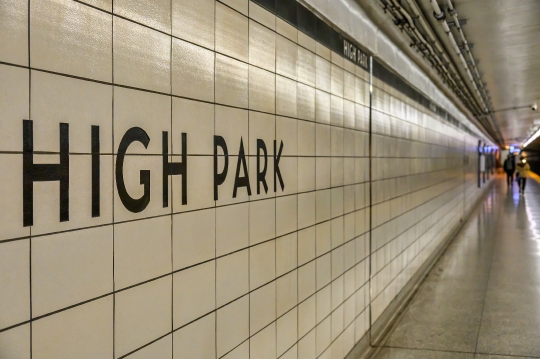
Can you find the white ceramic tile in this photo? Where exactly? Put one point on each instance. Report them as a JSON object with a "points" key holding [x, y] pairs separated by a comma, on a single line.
{"points": [[286, 254], [47, 199], [101, 4], [322, 78], [85, 331], [81, 104], [306, 66], [286, 214], [142, 250], [306, 41], [70, 268], [196, 120], [306, 346], [194, 238], [88, 54], [232, 325], [287, 328], [288, 167], [323, 336], [155, 13], [322, 203], [337, 293], [262, 264], [322, 106], [231, 33], [324, 268], [232, 277], [14, 265], [200, 183], [14, 98], [262, 307], [262, 16], [15, 343], [306, 138], [192, 71], [193, 20], [323, 238], [262, 126], [232, 228], [324, 303], [262, 45], [196, 340], [306, 174], [262, 90], [14, 32], [262, 216], [287, 30], [231, 82], [146, 110], [286, 293], [194, 293], [142, 314], [306, 316], [160, 349], [137, 64], [306, 280], [285, 96], [238, 5], [134, 167], [306, 209], [305, 102], [286, 57], [336, 111], [292, 353], [11, 213], [286, 131], [263, 344], [336, 83]]}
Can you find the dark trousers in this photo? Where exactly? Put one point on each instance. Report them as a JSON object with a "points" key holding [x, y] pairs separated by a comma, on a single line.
{"points": [[522, 183], [509, 177]]}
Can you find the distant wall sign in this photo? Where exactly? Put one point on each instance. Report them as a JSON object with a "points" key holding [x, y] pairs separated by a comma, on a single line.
{"points": [[354, 54], [37, 172]]}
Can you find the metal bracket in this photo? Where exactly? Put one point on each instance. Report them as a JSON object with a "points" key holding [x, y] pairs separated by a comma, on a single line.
{"points": [[462, 22]]}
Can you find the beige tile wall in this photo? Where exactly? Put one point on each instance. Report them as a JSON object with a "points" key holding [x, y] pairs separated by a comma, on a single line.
{"points": [[285, 274]]}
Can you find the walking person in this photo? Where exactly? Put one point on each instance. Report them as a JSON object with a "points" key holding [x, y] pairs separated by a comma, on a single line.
{"points": [[523, 169], [509, 167]]}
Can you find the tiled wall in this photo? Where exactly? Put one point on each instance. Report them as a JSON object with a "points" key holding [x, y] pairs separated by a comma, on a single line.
{"points": [[278, 274]]}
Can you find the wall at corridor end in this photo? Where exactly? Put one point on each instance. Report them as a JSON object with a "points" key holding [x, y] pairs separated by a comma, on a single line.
{"points": [[211, 179]]}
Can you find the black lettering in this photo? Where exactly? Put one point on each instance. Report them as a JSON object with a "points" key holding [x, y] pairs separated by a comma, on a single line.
{"points": [[95, 172], [261, 175], [134, 134], [174, 169], [33, 172], [277, 172], [244, 180], [219, 178]]}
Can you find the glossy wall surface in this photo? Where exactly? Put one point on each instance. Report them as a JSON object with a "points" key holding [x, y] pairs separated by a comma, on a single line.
{"points": [[173, 249]]}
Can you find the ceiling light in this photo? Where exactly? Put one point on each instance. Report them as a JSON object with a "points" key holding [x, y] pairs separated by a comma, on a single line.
{"points": [[532, 138]]}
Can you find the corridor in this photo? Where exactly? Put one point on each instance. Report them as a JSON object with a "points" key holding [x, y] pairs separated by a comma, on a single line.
{"points": [[482, 299]]}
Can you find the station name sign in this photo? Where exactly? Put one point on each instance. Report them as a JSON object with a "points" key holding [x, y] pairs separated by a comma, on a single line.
{"points": [[354, 54], [59, 172]]}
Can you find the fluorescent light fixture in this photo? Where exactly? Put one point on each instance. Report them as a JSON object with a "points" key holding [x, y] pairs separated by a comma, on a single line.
{"points": [[532, 138]]}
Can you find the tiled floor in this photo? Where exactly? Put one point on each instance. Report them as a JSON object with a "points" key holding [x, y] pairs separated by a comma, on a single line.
{"points": [[482, 300]]}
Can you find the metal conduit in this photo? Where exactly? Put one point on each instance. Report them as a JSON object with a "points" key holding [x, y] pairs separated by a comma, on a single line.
{"points": [[397, 11], [440, 16]]}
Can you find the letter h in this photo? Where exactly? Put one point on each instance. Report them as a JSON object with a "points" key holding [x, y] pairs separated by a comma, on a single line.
{"points": [[37, 172]]}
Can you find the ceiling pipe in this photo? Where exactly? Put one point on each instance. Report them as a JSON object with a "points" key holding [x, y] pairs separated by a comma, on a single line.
{"points": [[453, 12], [403, 18], [440, 16]]}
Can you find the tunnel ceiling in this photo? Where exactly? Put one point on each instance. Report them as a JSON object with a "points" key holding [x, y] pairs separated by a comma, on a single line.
{"points": [[506, 38], [505, 35]]}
